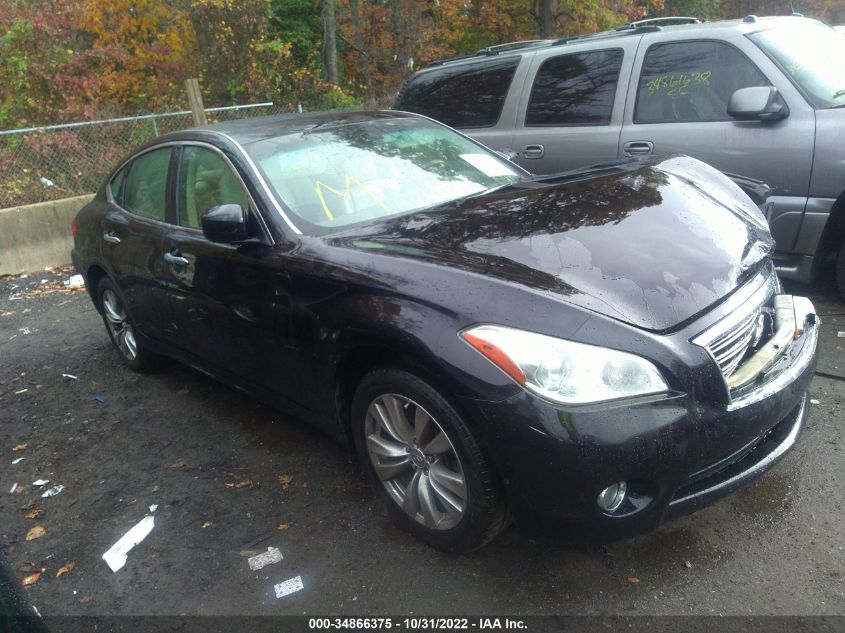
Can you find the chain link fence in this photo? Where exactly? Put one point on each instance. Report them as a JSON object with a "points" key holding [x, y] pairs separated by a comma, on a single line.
{"points": [[60, 161]]}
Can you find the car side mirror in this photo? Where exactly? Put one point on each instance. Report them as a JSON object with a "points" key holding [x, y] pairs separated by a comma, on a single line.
{"points": [[225, 224], [758, 103]]}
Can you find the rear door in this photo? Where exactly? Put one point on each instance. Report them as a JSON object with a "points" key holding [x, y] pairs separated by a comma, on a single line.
{"points": [[132, 231], [571, 110], [678, 104]]}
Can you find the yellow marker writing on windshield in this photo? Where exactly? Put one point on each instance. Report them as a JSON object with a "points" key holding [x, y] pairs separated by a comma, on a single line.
{"points": [[319, 186]]}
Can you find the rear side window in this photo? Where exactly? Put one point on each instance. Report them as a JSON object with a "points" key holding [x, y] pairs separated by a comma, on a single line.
{"points": [[575, 89], [470, 95], [692, 81], [146, 185], [116, 187]]}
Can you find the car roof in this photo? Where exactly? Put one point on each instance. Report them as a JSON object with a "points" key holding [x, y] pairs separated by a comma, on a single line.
{"points": [[692, 26], [246, 131]]}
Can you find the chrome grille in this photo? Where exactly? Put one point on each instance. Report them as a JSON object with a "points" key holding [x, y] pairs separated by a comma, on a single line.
{"points": [[729, 349], [728, 341]]}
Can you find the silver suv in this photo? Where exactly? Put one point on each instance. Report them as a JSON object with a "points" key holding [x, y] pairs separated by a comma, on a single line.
{"points": [[762, 97]]}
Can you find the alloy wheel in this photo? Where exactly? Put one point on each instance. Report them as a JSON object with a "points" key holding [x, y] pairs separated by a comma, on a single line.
{"points": [[416, 461], [118, 324]]}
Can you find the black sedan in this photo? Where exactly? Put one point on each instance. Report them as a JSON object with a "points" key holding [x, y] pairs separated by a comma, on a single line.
{"points": [[600, 349]]}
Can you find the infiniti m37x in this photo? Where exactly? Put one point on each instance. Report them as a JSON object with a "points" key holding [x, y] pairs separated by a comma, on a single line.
{"points": [[600, 349]]}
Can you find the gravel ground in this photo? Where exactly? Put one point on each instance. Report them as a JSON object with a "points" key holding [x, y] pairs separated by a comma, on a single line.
{"points": [[232, 477]]}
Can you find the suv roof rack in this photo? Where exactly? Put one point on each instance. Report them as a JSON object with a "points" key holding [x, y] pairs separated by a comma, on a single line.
{"points": [[628, 30], [667, 20], [510, 46], [639, 27], [490, 51]]}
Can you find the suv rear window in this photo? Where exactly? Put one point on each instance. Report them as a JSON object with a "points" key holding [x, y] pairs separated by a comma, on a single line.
{"points": [[575, 89], [692, 81], [469, 95]]}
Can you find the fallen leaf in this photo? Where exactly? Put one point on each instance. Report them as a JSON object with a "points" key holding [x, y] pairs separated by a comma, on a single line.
{"points": [[65, 569], [85, 599], [283, 526], [633, 580], [34, 513], [177, 465], [36, 532], [19, 448], [241, 484], [31, 579], [207, 524], [285, 481]]}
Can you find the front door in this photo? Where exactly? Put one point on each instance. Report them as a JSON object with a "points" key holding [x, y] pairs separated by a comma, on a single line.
{"points": [[230, 302], [679, 103]]}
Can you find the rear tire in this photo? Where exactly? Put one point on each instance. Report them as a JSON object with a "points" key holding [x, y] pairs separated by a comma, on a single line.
{"points": [[121, 330], [840, 270], [434, 478]]}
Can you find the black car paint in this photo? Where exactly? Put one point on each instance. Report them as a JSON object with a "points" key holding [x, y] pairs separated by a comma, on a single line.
{"points": [[295, 319]]}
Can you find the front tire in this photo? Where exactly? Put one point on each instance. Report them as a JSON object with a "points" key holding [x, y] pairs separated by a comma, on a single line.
{"points": [[121, 329], [422, 460]]}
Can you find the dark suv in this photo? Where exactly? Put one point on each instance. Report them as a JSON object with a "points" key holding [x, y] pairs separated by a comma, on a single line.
{"points": [[762, 97]]}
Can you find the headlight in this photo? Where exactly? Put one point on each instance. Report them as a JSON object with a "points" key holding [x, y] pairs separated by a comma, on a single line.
{"points": [[563, 371]]}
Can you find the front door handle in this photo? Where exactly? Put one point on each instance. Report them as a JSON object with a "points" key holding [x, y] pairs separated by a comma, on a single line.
{"points": [[111, 238], [175, 258], [637, 148], [533, 151]]}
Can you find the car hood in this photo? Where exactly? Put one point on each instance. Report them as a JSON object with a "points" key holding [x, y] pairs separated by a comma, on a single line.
{"points": [[652, 244]]}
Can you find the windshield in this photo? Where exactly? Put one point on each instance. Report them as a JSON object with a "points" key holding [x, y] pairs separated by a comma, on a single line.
{"points": [[812, 55], [334, 176]]}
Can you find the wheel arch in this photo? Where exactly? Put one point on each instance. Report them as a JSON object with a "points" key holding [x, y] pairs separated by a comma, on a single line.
{"points": [[93, 276], [367, 354], [833, 234]]}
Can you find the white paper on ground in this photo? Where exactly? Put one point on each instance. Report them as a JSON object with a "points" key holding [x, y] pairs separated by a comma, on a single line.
{"points": [[52, 492], [288, 586], [272, 555], [18, 460], [116, 556], [488, 165], [40, 482]]}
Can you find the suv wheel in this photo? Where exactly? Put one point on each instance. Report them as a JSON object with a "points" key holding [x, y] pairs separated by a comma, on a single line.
{"points": [[421, 458], [121, 330], [840, 270]]}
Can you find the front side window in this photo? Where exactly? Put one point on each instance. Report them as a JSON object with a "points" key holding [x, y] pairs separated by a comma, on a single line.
{"points": [[812, 55], [205, 181], [692, 81], [146, 185], [470, 95], [576, 89], [335, 176]]}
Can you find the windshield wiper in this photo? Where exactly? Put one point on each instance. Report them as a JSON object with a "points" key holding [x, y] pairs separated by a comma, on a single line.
{"points": [[839, 93]]}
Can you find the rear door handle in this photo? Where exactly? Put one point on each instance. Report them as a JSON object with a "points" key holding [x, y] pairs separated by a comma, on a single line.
{"points": [[637, 148], [533, 151], [111, 238], [175, 257]]}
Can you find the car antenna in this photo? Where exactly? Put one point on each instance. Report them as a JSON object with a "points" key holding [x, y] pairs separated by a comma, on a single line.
{"points": [[793, 12]]}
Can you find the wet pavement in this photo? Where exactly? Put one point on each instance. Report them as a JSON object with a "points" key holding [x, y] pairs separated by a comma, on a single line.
{"points": [[232, 477]]}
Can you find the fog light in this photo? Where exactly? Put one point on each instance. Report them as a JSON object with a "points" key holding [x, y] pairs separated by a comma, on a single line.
{"points": [[612, 497]]}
